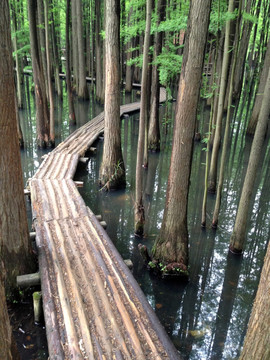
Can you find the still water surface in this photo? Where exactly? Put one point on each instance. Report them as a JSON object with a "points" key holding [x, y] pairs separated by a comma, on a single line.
{"points": [[207, 317]]}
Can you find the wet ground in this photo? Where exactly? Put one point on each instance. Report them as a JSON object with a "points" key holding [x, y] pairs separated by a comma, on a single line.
{"points": [[30, 336]]}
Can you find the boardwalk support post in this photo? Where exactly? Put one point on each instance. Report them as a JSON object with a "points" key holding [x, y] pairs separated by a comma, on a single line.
{"points": [[37, 306]]}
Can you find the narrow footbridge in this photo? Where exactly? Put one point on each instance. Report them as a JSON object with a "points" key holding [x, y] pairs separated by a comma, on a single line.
{"points": [[93, 307]]}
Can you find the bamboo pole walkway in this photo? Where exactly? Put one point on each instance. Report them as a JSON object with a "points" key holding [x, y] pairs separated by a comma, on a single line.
{"points": [[93, 307]]}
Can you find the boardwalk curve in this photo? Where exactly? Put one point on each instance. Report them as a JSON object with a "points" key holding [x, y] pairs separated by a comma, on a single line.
{"points": [[93, 307]]}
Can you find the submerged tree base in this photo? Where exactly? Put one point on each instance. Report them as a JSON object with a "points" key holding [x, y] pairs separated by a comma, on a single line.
{"points": [[170, 270], [235, 251], [154, 146], [43, 144], [112, 178]]}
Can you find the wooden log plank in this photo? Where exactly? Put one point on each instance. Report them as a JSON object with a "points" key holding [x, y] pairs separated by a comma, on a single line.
{"points": [[41, 207], [58, 205], [55, 166], [43, 168], [54, 338], [76, 203], [71, 163], [65, 306], [94, 263], [131, 290], [103, 322], [131, 319]]}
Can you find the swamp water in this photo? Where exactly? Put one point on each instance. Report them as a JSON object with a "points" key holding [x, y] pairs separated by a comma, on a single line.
{"points": [[207, 317]]}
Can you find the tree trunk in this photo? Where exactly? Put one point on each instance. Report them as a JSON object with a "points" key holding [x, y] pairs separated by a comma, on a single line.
{"points": [[154, 131], [42, 41], [171, 245], [72, 117], [243, 48], [139, 209], [56, 61], [42, 113], [259, 96], [227, 126], [49, 75], [129, 69], [17, 60], [99, 67], [112, 170], [8, 349], [239, 231], [14, 242], [83, 93], [75, 61], [256, 344], [223, 82]]}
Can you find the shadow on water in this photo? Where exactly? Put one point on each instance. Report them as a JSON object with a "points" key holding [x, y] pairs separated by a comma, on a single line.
{"points": [[207, 317]]}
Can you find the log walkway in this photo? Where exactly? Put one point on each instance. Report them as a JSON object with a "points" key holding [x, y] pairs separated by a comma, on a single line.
{"points": [[93, 307]]}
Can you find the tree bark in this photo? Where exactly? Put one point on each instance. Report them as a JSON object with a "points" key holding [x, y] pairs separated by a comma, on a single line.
{"points": [[17, 60], [139, 209], [112, 171], [75, 61], [129, 68], [171, 244], [14, 242], [239, 231], [154, 131], [227, 126], [83, 93], [99, 67], [257, 340], [42, 41], [243, 47], [49, 75], [56, 61], [259, 96], [42, 113], [72, 117], [223, 82], [8, 349]]}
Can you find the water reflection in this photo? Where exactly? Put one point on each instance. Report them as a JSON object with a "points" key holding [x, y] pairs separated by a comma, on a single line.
{"points": [[207, 317]]}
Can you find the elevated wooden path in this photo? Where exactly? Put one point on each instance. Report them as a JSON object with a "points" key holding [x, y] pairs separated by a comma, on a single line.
{"points": [[93, 307]]}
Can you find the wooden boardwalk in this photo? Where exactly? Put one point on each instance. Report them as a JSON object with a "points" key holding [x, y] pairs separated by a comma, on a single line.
{"points": [[93, 307]]}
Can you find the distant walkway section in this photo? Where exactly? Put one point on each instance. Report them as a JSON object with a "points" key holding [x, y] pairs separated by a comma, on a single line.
{"points": [[93, 307]]}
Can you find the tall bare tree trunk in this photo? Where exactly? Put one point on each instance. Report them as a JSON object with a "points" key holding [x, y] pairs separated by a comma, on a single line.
{"points": [[227, 126], [112, 171], [139, 209], [75, 61], [99, 67], [42, 112], [72, 117], [257, 340], [17, 60], [14, 241], [8, 349], [83, 93], [129, 68], [49, 75], [239, 231], [259, 96], [243, 47], [171, 245], [154, 131], [223, 82], [42, 41]]}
